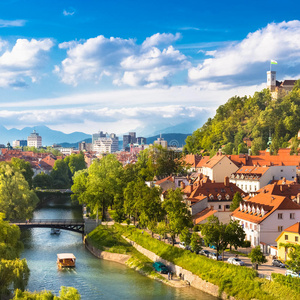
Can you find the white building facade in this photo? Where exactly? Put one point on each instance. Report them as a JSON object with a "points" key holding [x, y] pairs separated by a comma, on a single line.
{"points": [[252, 178], [34, 140]]}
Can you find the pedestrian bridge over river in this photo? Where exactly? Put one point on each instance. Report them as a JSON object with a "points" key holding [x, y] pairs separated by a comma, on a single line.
{"points": [[71, 225]]}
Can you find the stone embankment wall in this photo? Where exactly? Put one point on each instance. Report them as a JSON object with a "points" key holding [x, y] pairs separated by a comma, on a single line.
{"points": [[116, 257], [193, 280]]}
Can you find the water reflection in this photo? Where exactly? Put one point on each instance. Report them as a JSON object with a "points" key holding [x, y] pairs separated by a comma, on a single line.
{"points": [[94, 278]]}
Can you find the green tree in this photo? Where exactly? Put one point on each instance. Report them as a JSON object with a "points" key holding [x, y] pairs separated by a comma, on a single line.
{"points": [[60, 175], [17, 201], [293, 261], [185, 236], [178, 216], [257, 257], [13, 271], [221, 235], [75, 163], [24, 168], [43, 181], [66, 293], [98, 186], [195, 242], [237, 198]]}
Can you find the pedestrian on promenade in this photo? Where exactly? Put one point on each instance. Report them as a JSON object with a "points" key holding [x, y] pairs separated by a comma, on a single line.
{"points": [[171, 275], [180, 276], [168, 275]]}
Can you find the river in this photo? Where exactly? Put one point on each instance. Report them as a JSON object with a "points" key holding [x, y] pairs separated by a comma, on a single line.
{"points": [[94, 278]]}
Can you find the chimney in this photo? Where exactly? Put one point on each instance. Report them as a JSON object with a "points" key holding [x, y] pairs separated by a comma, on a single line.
{"points": [[213, 181], [226, 181], [182, 185]]}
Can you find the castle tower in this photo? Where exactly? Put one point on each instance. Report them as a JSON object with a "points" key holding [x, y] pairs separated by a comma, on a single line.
{"points": [[271, 80]]}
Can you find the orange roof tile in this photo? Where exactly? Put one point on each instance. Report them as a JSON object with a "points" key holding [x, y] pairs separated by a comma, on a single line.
{"points": [[294, 228], [202, 215], [268, 202]]}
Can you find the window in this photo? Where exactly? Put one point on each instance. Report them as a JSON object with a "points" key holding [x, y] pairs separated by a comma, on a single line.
{"points": [[220, 206], [296, 239], [250, 226], [292, 215], [246, 187], [227, 206], [280, 228], [286, 237], [280, 216], [241, 186], [255, 188]]}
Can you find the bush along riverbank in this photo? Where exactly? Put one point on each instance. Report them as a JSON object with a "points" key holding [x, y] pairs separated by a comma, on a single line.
{"points": [[105, 240], [236, 281]]}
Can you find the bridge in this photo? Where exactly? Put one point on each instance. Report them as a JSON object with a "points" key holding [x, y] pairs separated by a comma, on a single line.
{"points": [[65, 224]]}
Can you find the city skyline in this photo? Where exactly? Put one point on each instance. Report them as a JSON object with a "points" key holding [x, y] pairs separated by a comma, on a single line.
{"points": [[130, 66]]}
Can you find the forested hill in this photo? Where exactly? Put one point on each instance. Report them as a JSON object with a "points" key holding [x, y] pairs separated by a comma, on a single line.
{"points": [[253, 117]]}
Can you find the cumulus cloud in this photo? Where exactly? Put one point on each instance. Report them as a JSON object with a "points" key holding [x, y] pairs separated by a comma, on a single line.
{"points": [[279, 41], [127, 62], [22, 61], [160, 39], [12, 23]]}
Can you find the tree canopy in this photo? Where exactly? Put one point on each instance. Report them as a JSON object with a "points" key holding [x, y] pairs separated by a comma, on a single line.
{"points": [[17, 201], [254, 117], [221, 235]]}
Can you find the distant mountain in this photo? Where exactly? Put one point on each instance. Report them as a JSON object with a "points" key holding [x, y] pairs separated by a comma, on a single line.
{"points": [[49, 136]]}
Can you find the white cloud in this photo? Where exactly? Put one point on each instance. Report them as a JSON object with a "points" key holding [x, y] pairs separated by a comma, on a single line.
{"points": [[160, 39], [12, 23], [276, 41], [127, 62], [22, 61]]}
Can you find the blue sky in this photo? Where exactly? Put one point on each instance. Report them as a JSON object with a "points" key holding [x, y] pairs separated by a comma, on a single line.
{"points": [[120, 66]]}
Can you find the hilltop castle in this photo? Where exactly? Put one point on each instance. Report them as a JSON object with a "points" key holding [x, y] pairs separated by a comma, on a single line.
{"points": [[277, 88]]}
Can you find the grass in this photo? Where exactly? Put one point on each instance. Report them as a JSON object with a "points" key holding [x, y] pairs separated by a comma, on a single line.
{"points": [[107, 238], [240, 282]]}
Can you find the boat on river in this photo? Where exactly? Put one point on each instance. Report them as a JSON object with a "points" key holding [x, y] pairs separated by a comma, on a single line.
{"points": [[66, 260], [55, 231]]}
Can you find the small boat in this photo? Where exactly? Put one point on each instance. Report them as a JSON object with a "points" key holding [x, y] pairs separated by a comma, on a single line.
{"points": [[66, 260], [55, 231]]}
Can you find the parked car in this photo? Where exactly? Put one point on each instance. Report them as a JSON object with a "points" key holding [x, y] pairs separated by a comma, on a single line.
{"points": [[182, 245], [278, 263], [212, 246], [160, 267], [235, 261], [204, 252], [292, 273], [214, 256]]}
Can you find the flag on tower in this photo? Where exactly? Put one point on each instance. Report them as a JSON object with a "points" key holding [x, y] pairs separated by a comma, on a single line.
{"points": [[273, 62]]}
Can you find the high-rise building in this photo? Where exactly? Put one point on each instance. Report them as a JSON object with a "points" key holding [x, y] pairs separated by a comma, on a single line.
{"points": [[126, 141], [96, 136], [34, 140], [19, 143], [106, 144], [141, 140], [161, 141], [133, 137]]}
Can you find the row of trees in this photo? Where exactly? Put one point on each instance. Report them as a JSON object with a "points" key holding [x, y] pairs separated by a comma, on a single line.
{"points": [[106, 183], [62, 173], [252, 117]]}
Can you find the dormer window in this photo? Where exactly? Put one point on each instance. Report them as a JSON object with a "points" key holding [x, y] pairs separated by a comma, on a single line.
{"points": [[227, 197], [262, 212], [241, 205], [253, 209], [257, 210], [249, 209], [219, 197], [245, 207], [211, 197]]}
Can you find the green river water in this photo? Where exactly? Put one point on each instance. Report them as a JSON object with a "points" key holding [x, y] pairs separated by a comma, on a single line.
{"points": [[94, 278]]}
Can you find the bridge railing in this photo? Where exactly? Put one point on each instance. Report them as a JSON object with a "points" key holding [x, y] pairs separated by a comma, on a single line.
{"points": [[50, 221]]}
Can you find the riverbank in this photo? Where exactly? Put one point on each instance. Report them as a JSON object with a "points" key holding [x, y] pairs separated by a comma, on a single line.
{"points": [[106, 243]]}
